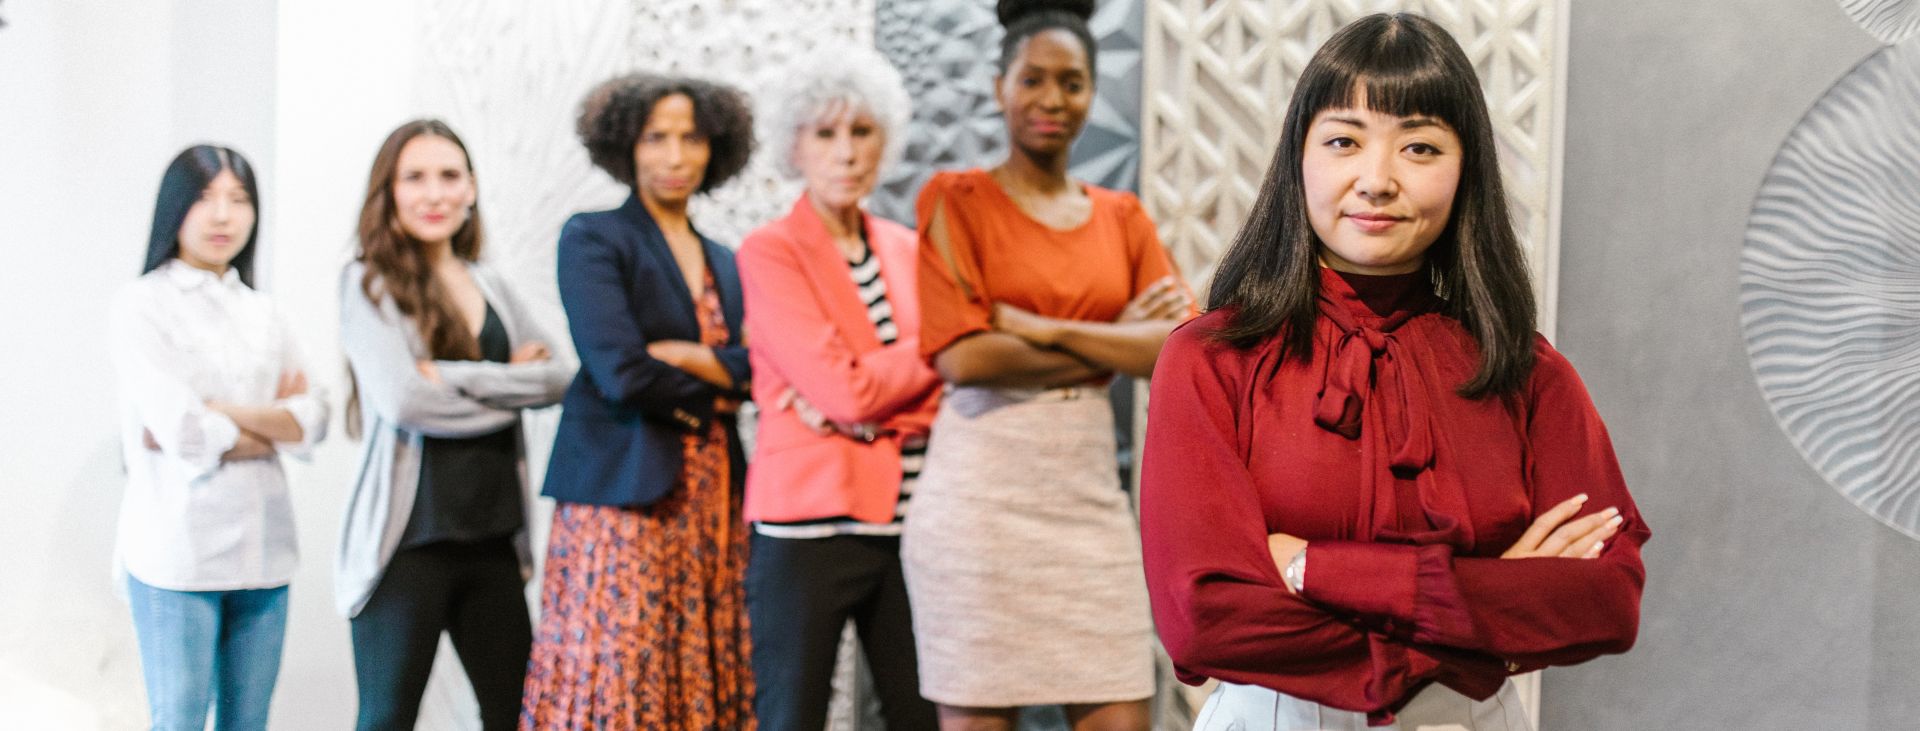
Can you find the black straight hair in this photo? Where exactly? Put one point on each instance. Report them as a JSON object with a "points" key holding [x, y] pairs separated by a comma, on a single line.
{"points": [[1406, 65], [1023, 19], [187, 177]]}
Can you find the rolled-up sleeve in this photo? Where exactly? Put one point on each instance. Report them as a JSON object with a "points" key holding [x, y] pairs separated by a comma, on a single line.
{"points": [[155, 378]]}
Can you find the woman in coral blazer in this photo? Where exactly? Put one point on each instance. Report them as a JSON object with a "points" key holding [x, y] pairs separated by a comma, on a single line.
{"points": [[833, 308]]}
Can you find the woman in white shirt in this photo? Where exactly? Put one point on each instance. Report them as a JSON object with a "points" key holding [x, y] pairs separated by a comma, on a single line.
{"points": [[212, 393]]}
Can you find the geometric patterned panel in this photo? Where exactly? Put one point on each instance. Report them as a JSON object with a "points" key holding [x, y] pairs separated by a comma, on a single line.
{"points": [[1830, 286], [949, 50], [509, 78], [748, 43], [1891, 21], [1218, 73]]}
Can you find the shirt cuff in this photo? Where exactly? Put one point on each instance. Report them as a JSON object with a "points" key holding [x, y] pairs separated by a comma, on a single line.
{"points": [[310, 412], [204, 439], [1374, 582]]}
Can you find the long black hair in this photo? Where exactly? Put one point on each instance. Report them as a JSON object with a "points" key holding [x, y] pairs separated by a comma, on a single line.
{"points": [[1023, 19], [187, 177], [1406, 65]]}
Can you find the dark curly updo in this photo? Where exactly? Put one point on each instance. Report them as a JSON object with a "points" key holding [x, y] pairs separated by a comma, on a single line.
{"points": [[615, 111], [1023, 19]]}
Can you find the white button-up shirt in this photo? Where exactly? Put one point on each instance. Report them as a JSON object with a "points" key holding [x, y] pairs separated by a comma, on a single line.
{"points": [[183, 336]]}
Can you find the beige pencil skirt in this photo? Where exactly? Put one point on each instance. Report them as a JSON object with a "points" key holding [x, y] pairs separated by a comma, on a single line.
{"points": [[1022, 555]]}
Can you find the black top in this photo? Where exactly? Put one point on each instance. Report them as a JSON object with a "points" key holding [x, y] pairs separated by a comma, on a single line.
{"points": [[470, 488]]}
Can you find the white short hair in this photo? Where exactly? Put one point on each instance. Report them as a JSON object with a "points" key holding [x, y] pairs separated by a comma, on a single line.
{"points": [[823, 81]]}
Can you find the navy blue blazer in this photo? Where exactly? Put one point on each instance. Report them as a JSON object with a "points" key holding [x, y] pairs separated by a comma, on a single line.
{"points": [[619, 441]]}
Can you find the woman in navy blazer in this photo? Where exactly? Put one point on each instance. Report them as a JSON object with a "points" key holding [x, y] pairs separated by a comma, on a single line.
{"points": [[643, 620]]}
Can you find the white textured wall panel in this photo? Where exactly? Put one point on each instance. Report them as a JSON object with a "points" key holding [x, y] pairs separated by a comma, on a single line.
{"points": [[1219, 74]]}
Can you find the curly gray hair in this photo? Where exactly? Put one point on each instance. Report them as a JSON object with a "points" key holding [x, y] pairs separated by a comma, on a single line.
{"points": [[827, 81]]}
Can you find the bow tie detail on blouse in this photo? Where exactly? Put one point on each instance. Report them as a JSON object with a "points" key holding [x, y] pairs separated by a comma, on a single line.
{"points": [[1372, 379]]}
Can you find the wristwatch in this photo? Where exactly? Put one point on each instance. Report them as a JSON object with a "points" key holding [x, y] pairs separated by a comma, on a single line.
{"points": [[1295, 574]]}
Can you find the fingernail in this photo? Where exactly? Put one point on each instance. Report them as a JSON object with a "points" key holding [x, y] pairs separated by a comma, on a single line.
{"points": [[1580, 498], [1594, 552], [1615, 522], [1612, 511]]}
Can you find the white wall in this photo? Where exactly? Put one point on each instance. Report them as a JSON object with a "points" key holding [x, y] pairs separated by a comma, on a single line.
{"points": [[95, 98]]}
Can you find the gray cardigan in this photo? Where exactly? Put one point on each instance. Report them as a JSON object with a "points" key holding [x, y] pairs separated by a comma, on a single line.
{"points": [[398, 408]]}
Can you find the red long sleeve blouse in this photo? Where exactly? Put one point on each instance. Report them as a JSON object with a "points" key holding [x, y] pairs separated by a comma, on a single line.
{"points": [[1406, 492]]}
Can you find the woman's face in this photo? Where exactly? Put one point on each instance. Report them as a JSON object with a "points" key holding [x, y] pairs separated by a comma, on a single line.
{"points": [[670, 158], [839, 156], [218, 225], [1379, 188], [433, 190], [1045, 93]]}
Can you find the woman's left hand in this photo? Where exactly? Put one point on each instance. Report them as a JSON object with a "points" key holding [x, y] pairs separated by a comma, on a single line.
{"points": [[428, 371], [1023, 324], [675, 353]]}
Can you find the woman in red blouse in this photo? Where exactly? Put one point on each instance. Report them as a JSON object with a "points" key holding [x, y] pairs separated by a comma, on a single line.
{"points": [[1369, 489]]}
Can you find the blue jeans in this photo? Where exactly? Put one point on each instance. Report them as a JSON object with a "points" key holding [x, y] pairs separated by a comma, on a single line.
{"points": [[207, 651]]}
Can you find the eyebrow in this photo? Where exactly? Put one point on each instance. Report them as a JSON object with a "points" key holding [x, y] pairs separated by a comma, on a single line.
{"points": [[1409, 123]]}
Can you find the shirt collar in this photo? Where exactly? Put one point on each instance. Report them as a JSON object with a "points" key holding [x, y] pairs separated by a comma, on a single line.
{"points": [[188, 276]]}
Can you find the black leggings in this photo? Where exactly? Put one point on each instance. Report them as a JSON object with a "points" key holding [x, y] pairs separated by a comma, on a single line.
{"points": [[800, 593], [473, 592]]}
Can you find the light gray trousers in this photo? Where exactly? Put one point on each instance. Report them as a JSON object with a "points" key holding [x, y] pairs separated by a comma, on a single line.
{"points": [[1437, 708]]}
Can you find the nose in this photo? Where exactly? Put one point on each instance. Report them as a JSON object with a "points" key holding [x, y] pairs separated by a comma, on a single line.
{"points": [[842, 149], [676, 152], [222, 210], [1052, 96], [1378, 180]]}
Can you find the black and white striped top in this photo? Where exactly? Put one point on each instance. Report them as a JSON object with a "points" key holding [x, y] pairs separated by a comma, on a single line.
{"points": [[873, 292]]}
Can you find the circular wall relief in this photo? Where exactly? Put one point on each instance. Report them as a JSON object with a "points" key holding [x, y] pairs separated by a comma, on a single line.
{"points": [[1891, 21], [1830, 286]]}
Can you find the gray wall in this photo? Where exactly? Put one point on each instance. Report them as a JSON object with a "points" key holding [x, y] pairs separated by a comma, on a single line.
{"points": [[1772, 602]]}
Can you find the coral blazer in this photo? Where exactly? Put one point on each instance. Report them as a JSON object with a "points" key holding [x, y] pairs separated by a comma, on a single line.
{"points": [[810, 332]]}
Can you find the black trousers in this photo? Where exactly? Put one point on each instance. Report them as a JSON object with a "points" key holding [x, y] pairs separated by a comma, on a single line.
{"points": [[800, 593], [471, 591]]}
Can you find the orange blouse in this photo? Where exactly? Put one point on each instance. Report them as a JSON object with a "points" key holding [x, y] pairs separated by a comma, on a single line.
{"points": [[1000, 254]]}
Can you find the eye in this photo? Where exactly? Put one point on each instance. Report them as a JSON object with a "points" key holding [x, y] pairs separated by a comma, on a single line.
{"points": [[825, 133], [1342, 142], [410, 175], [1422, 149], [863, 131], [1074, 87], [1029, 81]]}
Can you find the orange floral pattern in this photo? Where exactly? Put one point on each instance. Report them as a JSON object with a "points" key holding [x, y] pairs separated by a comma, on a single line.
{"points": [[644, 622]]}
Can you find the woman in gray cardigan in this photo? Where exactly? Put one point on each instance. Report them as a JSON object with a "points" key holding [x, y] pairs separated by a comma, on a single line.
{"points": [[444, 356]]}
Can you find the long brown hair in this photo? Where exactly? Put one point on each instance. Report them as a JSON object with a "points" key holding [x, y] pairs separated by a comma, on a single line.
{"points": [[396, 263]]}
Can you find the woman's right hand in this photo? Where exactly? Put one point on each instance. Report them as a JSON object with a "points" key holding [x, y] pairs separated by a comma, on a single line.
{"points": [[812, 418], [248, 445], [534, 352], [1162, 300], [1556, 534], [292, 383]]}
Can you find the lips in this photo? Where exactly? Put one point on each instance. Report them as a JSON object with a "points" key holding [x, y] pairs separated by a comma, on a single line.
{"points": [[1048, 127], [1373, 222]]}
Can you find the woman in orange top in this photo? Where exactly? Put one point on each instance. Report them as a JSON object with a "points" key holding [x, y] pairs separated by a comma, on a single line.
{"points": [[1021, 553]]}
